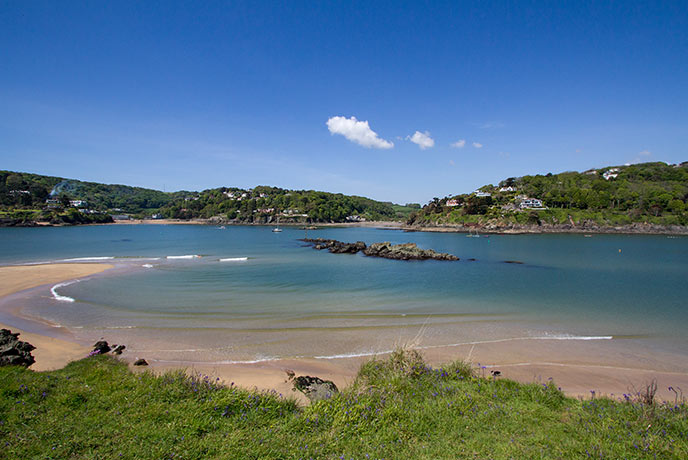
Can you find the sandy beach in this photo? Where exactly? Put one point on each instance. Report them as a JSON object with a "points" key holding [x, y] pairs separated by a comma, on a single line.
{"points": [[578, 367], [50, 353]]}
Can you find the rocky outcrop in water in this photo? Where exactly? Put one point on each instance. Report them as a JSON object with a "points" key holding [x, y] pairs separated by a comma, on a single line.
{"points": [[407, 251], [336, 247], [387, 250], [14, 352]]}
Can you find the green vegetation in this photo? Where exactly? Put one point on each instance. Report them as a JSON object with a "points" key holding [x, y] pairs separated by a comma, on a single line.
{"points": [[398, 408], [263, 203], [655, 193], [24, 198]]}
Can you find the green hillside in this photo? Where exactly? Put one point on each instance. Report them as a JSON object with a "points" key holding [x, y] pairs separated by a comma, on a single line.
{"points": [[262, 204], [26, 198], [654, 193]]}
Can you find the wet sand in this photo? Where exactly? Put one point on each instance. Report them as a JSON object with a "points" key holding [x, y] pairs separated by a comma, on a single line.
{"points": [[607, 367], [50, 353]]}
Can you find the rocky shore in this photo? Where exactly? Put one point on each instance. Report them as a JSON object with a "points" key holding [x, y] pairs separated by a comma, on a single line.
{"points": [[584, 228], [386, 250]]}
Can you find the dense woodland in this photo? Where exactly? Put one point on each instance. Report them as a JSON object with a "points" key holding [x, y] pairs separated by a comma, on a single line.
{"points": [[23, 197], [263, 202], [648, 192]]}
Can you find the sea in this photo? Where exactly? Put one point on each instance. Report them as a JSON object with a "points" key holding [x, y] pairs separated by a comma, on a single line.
{"points": [[241, 294]]}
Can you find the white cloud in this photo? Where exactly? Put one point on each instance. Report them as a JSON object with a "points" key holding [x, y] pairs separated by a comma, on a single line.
{"points": [[477, 145], [646, 153], [423, 140], [358, 132], [459, 144]]}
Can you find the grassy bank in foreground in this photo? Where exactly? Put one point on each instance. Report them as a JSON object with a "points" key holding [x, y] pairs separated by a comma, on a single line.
{"points": [[397, 408]]}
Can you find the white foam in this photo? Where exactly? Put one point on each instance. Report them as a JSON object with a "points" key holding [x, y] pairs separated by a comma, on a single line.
{"points": [[234, 259], [574, 337], [427, 347], [544, 337], [354, 355], [187, 256], [249, 361], [147, 265], [85, 259], [62, 298]]}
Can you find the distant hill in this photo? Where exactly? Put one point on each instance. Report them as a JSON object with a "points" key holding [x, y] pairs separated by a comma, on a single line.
{"points": [[26, 198], [653, 193], [265, 204]]}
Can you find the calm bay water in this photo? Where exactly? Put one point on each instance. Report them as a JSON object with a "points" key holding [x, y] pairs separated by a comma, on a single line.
{"points": [[288, 300]]}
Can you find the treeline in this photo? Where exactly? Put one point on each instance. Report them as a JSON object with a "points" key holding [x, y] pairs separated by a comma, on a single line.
{"points": [[263, 203], [26, 197], [27, 190], [647, 192]]}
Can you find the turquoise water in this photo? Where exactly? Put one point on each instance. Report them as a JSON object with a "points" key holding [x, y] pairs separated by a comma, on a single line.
{"points": [[289, 300]]}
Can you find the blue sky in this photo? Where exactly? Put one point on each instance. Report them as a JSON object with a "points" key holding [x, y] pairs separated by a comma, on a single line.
{"points": [[193, 95]]}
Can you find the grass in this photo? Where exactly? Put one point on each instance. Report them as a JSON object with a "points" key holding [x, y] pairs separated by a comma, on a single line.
{"points": [[398, 408]]}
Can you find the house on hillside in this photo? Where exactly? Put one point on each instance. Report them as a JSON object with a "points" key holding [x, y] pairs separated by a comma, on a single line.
{"points": [[482, 194], [531, 203], [452, 203], [507, 189], [611, 173]]}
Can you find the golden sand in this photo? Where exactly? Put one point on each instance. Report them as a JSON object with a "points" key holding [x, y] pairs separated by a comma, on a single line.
{"points": [[50, 353], [579, 367]]}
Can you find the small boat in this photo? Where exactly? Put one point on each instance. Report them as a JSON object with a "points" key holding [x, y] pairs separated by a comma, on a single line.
{"points": [[276, 229], [473, 235], [221, 227]]}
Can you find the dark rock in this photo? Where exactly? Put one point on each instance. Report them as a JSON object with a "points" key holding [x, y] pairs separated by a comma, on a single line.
{"points": [[336, 247], [101, 347], [513, 262], [315, 388], [140, 362], [14, 352], [387, 250], [471, 259], [118, 349], [407, 251]]}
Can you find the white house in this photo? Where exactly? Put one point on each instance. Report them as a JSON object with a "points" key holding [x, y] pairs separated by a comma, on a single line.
{"points": [[611, 173], [482, 194], [452, 202], [507, 189], [531, 203]]}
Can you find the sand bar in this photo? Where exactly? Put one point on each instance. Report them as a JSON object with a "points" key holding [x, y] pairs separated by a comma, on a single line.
{"points": [[50, 353], [578, 367]]}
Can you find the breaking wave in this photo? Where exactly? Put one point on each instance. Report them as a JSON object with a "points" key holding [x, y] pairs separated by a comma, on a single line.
{"points": [[62, 298]]}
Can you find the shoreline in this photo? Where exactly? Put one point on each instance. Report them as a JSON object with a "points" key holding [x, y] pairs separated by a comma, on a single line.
{"points": [[632, 229], [578, 367], [51, 352], [565, 229]]}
